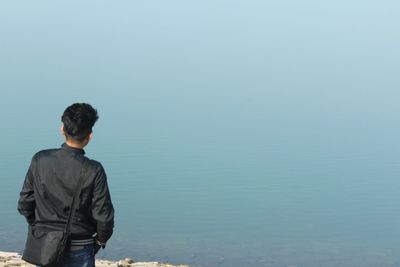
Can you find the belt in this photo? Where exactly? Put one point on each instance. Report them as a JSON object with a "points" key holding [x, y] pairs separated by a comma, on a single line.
{"points": [[81, 242]]}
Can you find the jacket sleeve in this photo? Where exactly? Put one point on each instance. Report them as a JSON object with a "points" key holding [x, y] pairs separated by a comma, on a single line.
{"points": [[26, 202], [102, 207]]}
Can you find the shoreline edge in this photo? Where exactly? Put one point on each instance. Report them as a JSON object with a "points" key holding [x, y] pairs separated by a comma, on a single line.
{"points": [[8, 259]]}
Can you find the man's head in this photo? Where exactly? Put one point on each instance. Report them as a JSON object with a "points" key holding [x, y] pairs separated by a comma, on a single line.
{"points": [[78, 120]]}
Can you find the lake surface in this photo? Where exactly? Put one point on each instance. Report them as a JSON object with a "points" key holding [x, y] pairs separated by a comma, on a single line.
{"points": [[233, 134]]}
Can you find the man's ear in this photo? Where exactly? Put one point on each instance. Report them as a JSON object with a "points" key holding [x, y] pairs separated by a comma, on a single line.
{"points": [[91, 136], [62, 129]]}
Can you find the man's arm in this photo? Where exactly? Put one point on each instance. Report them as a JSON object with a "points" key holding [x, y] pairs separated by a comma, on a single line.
{"points": [[102, 208], [26, 203]]}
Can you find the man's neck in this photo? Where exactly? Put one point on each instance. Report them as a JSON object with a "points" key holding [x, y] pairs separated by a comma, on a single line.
{"points": [[75, 145]]}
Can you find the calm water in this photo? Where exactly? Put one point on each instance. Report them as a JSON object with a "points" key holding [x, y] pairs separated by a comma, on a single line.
{"points": [[233, 133]]}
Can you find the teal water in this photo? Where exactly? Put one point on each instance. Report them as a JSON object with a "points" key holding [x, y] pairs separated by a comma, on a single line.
{"points": [[233, 133]]}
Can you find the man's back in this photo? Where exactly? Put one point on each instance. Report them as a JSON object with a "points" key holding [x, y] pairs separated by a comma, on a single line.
{"points": [[52, 179]]}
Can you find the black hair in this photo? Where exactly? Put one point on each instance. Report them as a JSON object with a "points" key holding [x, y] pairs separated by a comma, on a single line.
{"points": [[78, 120]]}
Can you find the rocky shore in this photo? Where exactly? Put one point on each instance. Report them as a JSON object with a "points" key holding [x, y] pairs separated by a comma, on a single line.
{"points": [[12, 259]]}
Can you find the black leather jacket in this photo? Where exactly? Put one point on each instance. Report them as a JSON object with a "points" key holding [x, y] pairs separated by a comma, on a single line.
{"points": [[49, 187]]}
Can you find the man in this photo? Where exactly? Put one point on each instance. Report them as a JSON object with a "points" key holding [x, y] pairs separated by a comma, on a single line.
{"points": [[50, 184]]}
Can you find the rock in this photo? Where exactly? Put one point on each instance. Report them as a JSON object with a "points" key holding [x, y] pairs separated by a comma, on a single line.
{"points": [[129, 260], [123, 263]]}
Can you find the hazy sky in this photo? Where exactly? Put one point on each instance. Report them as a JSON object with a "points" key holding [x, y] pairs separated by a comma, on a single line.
{"points": [[334, 61]]}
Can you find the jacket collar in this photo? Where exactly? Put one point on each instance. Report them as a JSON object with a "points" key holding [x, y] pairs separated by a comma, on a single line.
{"points": [[73, 149]]}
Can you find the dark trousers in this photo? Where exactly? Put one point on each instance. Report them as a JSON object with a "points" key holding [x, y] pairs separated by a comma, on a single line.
{"points": [[80, 256]]}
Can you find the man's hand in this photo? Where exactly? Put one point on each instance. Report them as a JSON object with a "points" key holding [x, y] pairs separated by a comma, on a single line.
{"points": [[98, 245]]}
